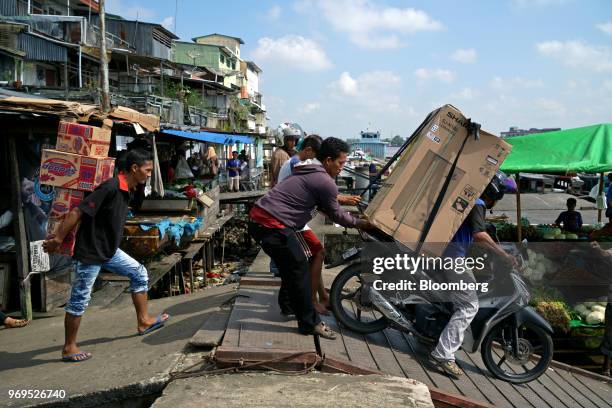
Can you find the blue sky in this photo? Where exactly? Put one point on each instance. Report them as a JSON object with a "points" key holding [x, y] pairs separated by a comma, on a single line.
{"points": [[341, 66]]}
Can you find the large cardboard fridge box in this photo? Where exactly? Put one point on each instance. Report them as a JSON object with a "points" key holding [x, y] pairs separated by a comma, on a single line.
{"points": [[83, 139], [405, 200], [72, 171]]}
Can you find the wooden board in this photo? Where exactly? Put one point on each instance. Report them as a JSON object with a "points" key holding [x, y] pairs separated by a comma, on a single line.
{"points": [[55, 289], [159, 268], [212, 331]]}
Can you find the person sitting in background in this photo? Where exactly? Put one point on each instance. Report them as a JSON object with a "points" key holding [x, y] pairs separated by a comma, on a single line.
{"points": [[571, 220], [11, 323]]}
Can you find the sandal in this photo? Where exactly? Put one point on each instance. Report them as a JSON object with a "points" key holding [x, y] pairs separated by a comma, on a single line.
{"points": [[322, 330], [76, 357]]}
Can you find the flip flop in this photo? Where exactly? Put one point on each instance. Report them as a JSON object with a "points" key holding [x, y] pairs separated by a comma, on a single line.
{"points": [[72, 358], [159, 323]]}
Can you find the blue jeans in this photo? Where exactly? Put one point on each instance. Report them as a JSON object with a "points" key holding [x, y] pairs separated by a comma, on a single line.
{"points": [[121, 264]]}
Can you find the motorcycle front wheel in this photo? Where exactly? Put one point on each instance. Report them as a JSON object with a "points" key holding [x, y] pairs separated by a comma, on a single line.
{"points": [[535, 351], [349, 311]]}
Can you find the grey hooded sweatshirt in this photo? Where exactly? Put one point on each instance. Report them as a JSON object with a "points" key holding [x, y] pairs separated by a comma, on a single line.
{"points": [[309, 188]]}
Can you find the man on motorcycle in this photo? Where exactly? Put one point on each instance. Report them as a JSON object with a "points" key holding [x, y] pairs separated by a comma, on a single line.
{"points": [[465, 304]]}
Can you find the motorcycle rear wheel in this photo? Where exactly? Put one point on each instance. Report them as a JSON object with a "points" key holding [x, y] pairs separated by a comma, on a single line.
{"points": [[535, 346], [347, 310]]}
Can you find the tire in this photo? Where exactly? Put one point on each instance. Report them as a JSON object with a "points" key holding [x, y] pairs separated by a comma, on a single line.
{"points": [[347, 317], [544, 350]]}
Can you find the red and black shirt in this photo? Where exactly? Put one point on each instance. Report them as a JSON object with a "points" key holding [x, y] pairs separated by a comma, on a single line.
{"points": [[104, 211]]}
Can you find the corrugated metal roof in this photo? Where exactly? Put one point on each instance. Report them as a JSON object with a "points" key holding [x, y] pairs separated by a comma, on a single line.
{"points": [[39, 49]]}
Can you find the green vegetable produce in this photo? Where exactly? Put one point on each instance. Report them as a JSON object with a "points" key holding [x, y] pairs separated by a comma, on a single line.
{"points": [[596, 317], [556, 314]]}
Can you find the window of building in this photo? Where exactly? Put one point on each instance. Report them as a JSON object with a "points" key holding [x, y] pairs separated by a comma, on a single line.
{"points": [[222, 59], [234, 64], [36, 7]]}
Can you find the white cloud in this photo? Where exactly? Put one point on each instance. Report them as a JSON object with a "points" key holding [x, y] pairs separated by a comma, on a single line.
{"points": [[508, 84], [129, 10], [608, 84], [274, 13], [576, 54], [443, 75], [606, 27], [374, 89], [373, 26], [466, 94], [168, 23], [347, 84], [466, 56], [292, 50], [310, 107]]}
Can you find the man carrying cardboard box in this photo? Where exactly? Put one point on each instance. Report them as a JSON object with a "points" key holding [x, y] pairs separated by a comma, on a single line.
{"points": [[102, 216], [465, 304]]}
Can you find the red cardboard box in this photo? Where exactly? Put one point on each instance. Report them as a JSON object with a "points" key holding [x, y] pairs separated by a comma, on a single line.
{"points": [[83, 139], [64, 201], [72, 171], [67, 247]]}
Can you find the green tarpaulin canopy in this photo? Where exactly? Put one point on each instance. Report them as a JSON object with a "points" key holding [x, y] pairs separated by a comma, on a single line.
{"points": [[586, 149]]}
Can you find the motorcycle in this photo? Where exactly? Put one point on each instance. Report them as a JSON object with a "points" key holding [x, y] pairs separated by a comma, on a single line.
{"points": [[515, 342]]}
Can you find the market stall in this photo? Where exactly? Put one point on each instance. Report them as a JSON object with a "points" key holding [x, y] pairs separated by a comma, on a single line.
{"points": [[32, 128], [182, 212], [586, 149], [569, 287]]}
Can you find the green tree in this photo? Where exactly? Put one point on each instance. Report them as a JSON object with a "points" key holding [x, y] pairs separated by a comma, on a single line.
{"points": [[397, 141]]}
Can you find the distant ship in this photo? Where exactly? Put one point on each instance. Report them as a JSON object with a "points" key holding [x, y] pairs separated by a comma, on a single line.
{"points": [[369, 145]]}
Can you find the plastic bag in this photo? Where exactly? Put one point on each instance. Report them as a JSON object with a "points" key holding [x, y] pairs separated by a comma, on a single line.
{"points": [[182, 170]]}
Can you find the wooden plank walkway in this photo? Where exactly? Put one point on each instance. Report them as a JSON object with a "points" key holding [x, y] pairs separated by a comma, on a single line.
{"points": [[242, 196], [256, 323]]}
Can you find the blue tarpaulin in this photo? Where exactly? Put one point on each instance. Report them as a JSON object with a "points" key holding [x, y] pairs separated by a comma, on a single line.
{"points": [[211, 137], [175, 231]]}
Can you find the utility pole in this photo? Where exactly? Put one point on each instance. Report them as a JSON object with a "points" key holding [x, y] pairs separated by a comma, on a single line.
{"points": [[105, 97]]}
